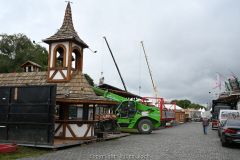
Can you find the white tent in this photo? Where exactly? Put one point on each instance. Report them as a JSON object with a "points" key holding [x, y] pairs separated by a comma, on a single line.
{"points": [[170, 106]]}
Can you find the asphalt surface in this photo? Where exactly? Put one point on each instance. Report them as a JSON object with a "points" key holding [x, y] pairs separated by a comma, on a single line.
{"points": [[185, 141]]}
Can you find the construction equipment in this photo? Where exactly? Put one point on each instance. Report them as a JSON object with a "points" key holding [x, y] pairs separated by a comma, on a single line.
{"points": [[133, 114], [115, 64], [154, 86]]}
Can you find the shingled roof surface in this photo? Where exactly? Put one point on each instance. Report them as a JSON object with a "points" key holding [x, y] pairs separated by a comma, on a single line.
{"points": [[67, 31], [78, 88]]}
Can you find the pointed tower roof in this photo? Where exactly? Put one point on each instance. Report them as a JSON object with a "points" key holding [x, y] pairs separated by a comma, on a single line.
{"points": [[67, 31]]}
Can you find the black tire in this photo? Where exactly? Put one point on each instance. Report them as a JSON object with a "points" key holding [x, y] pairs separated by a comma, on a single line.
{"points": [[224, 144], [145, 126]]}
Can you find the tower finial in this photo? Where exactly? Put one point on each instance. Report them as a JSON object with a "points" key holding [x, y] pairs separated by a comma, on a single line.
{"points": [[68, 6]]}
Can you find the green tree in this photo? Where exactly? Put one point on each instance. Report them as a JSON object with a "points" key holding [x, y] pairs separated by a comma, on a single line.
{"points": [[196, 106], [89, 79], [16, 49], [175, 101], [187, 104], [182, 103]]}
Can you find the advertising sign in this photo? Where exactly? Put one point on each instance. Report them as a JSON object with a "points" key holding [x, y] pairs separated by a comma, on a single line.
{"points": [[234, 84]]}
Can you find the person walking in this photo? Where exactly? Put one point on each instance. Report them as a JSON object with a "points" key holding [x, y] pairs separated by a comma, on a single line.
{"points": [[205, 124]]}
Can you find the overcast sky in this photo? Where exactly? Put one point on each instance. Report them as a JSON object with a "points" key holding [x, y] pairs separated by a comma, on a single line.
{"points": [[187, 41]]}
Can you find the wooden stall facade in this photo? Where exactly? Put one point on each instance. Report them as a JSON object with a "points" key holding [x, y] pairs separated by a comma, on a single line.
{"points": [[180, 116]]}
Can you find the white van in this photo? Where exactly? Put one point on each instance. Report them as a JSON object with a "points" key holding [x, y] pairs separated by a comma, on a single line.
{"points": [[228, 114]]}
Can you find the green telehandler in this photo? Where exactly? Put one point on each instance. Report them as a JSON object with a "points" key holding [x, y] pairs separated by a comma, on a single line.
{"points": [[133, 114]]}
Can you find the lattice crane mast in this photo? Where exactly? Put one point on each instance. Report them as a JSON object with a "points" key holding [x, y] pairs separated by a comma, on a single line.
{"points": [[154, 86]]}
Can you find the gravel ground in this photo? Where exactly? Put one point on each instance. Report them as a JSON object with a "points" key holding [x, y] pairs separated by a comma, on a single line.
{"points": [[185, 141]]}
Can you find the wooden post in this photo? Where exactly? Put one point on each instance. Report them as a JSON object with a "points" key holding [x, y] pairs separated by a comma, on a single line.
{"points": [[64, 115], [66, 111], [85, 111], [61, 111], [93, 111]]}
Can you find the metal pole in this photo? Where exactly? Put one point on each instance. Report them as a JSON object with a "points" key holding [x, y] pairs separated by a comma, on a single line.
{"points": [[116, 64]]}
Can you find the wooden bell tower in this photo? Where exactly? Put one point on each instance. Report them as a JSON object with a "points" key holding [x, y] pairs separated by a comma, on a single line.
{"points": [[65, 51]]}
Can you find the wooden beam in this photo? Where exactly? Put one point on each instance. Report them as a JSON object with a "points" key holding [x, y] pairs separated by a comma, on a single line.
{"points": [[53, 75], [60, 125], [64, 130], [78, 101], [94, 111], [61, 72], [92, 133], [70, 129], [85, 111], [89, 126]]}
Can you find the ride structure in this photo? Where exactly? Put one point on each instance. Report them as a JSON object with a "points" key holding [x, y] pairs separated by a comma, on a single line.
{"points": [[133, 114]]}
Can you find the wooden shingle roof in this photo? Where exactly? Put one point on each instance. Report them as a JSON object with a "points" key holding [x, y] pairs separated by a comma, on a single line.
{"points": [[31, 63], [77, 89], [67, 31]]}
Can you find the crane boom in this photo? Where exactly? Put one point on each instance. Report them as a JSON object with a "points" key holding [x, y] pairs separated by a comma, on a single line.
{"points": [[115, 64], [154, 86]]}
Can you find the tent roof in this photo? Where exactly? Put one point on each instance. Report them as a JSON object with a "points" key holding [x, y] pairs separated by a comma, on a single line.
{"points": [[172, 106]]}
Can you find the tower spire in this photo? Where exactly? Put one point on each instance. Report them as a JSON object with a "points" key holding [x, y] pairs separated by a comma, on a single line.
{"points": [[67, 31]]}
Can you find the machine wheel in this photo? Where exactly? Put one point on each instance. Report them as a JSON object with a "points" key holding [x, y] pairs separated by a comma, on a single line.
{"points": [[145, 126], [108, 126], [164, 123]]}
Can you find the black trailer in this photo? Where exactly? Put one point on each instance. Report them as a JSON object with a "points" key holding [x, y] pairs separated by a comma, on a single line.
{"points": [[27, 114]]}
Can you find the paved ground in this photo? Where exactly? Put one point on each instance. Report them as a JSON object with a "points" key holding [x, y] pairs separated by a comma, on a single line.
{"points": [[185, 141]]}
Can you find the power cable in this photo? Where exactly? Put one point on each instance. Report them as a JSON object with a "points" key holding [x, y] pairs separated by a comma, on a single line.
{"points": [[140, 70]]}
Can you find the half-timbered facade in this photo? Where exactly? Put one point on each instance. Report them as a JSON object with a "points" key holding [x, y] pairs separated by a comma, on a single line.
{"points": [[65, 65]]}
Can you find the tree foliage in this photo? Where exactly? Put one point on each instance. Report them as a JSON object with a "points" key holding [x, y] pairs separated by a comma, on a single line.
{"points": [[187, 104], [16, 49], [89, 79]]}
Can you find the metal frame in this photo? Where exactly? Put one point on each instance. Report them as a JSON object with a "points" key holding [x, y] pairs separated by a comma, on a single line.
{"points": [[160, 104]]}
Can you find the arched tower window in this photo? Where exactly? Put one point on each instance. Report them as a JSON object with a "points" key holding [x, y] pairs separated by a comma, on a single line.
{"points": [[78, 58], [59, 56]]}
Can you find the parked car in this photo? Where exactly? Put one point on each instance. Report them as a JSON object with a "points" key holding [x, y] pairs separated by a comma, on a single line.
{"points": [[220, 127], [230, 132]]}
